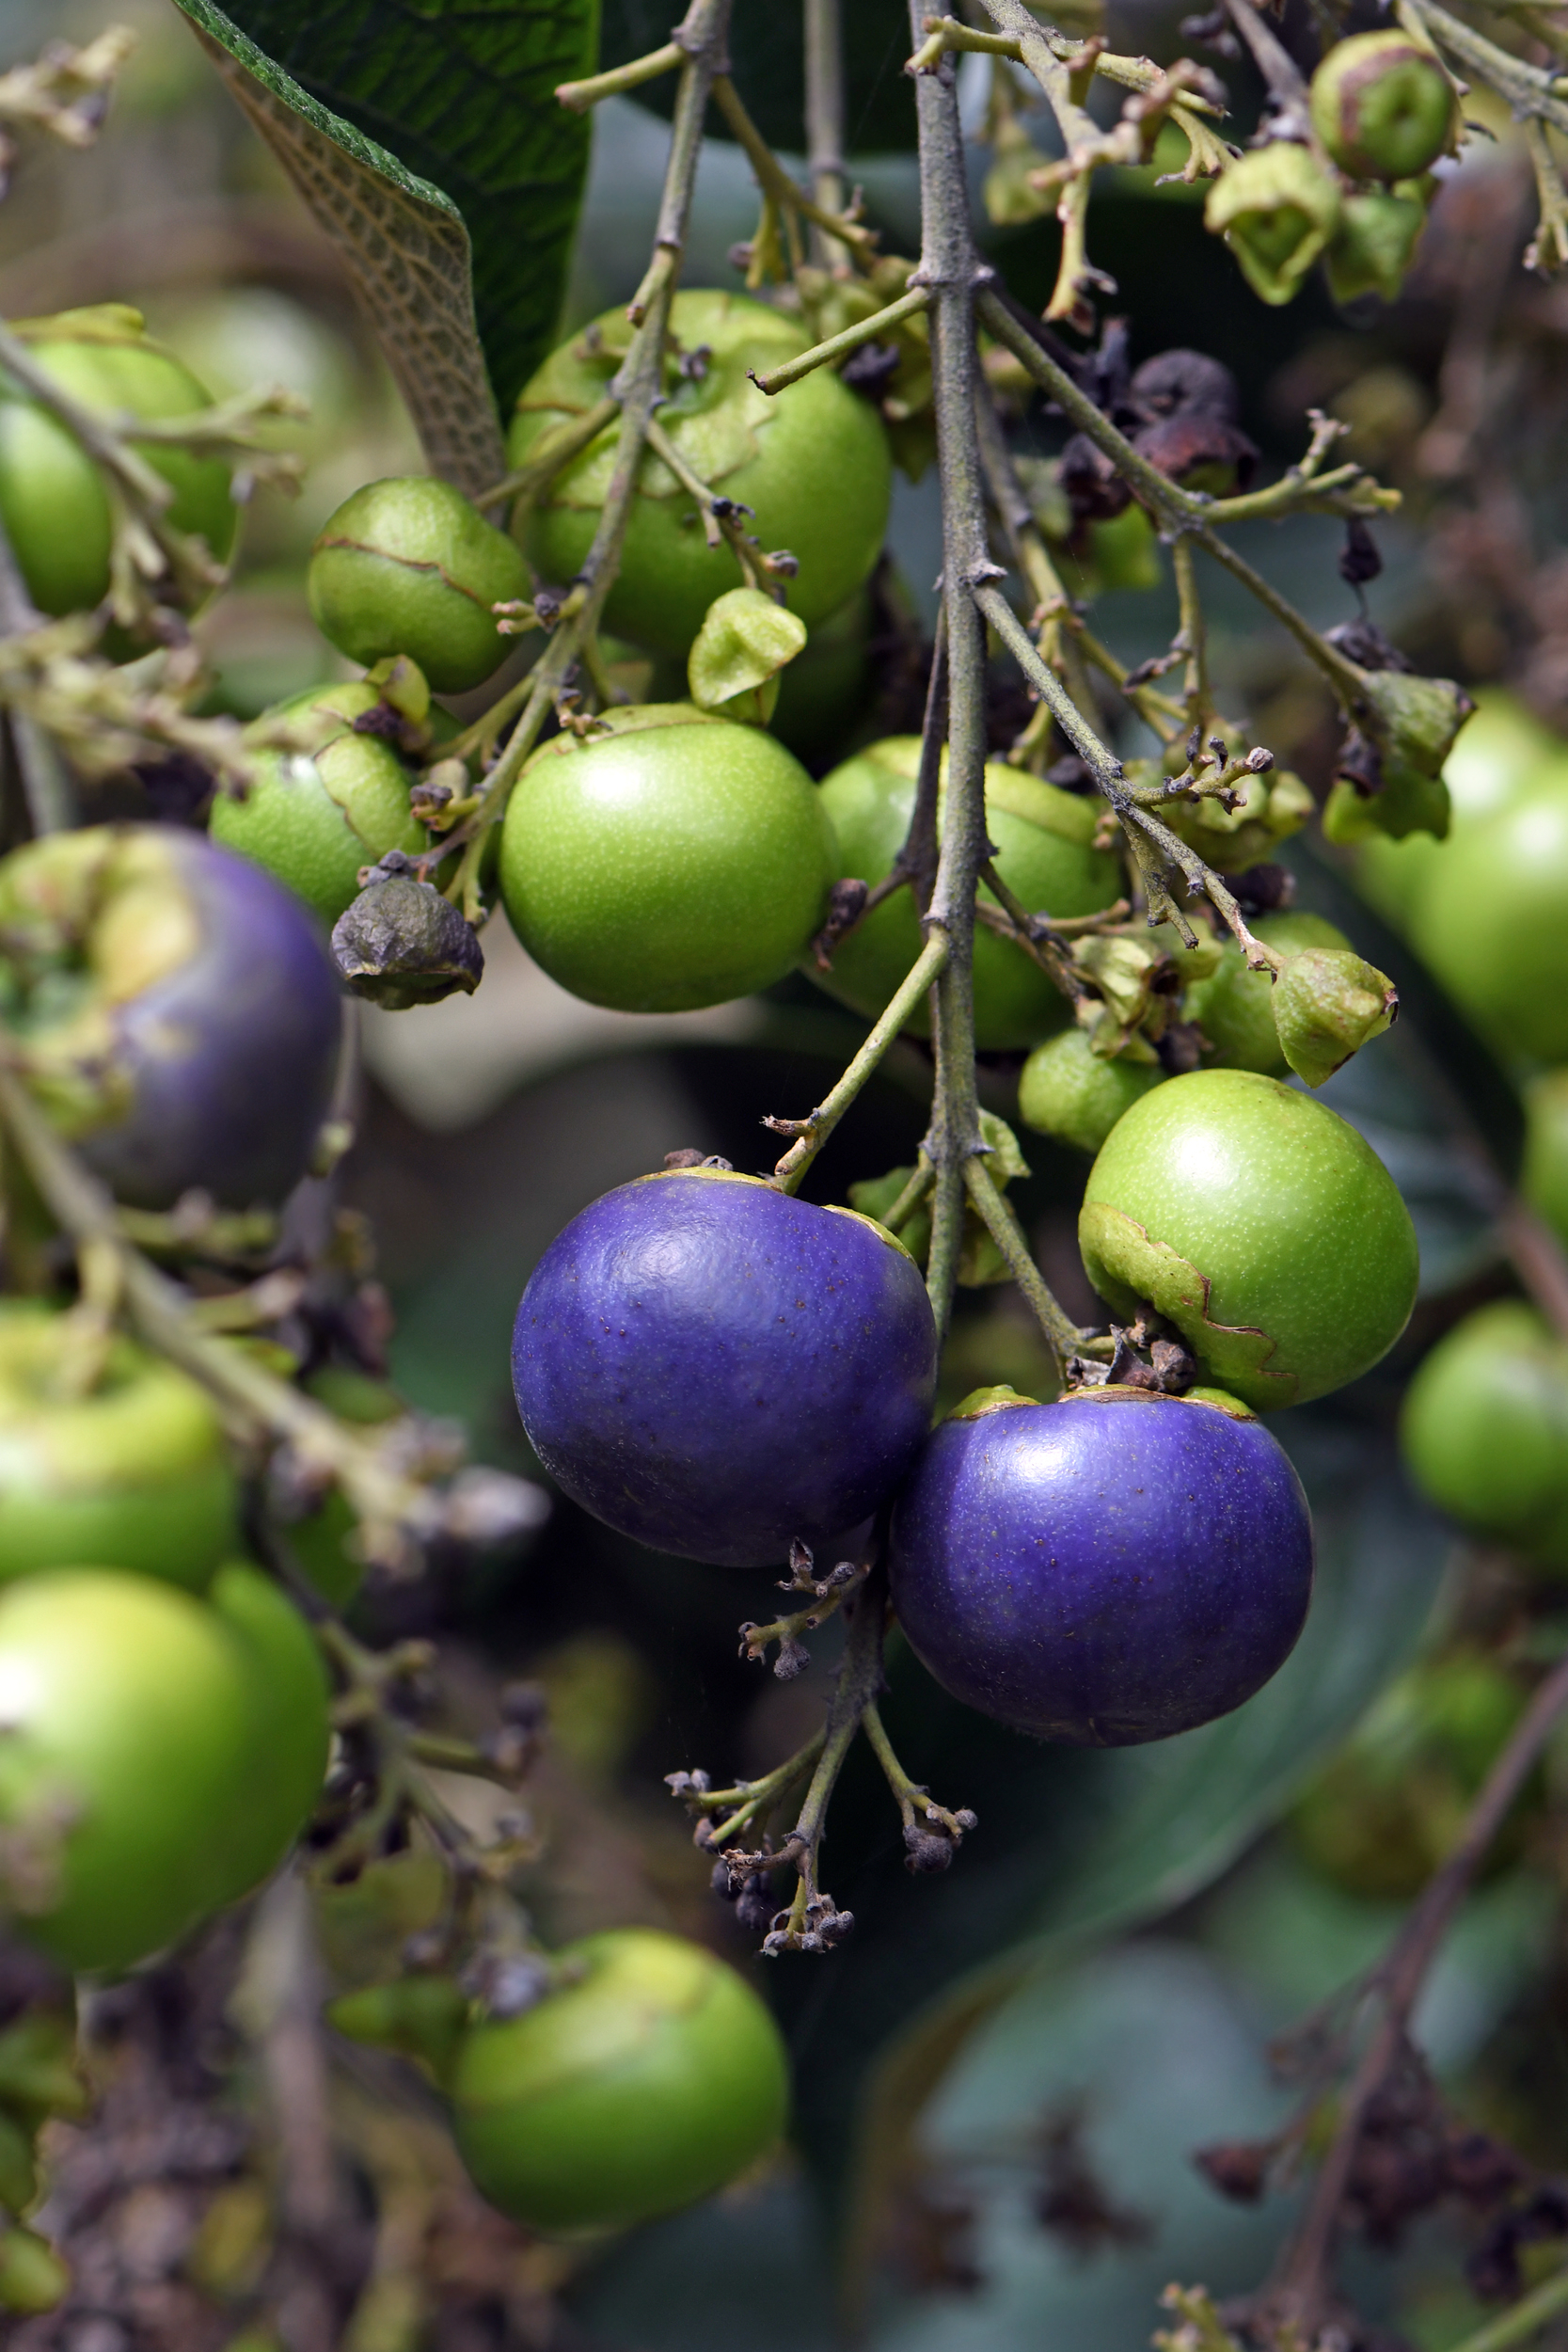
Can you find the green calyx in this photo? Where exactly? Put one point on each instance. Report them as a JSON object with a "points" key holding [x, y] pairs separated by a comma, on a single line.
{"points": [[1411, 724], [980, 1402], [1374, 245], [1276, 209], [744, 643], [1328, 1003], [1383, 107], [1234, 1005], [408, 566]]}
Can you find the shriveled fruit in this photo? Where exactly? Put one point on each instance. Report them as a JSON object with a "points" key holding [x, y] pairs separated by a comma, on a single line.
{"points": [[719, 1370], [1110, 1568], [670, 861], [812, 464], [1046, 855], [653, 2076], [1261, 1224]]}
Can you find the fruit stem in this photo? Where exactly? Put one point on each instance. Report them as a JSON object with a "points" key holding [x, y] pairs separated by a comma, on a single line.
{"points": [[775, 181], [1062, 1333], [551, 452], [860, 1679], [1301, 2290], [1193, 636], [911, 1198], [824, 63], [849, 338], [580, 96], [921, 1818], [386, 1502], [1529, 88], [812, 1132]]}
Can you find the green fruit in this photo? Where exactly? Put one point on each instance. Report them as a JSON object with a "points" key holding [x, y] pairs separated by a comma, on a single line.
{"points": [[671, 860], [126, 1470], [32, 2278], [653, 2076], [1386, 1812], [314, 820], [1484, 1429], [820, 694], [1502, 752], [53, 501], [1261, 1224], [1070, 1092], [1045, 854], [1492, 923], [1276, 209], [1544, 1177], [1234, 1008], [813, 464], [408, 566], [290, 1732], [1383, 107], [126, 1714]]}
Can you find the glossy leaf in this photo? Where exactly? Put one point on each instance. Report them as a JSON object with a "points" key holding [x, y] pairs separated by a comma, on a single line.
{"points": [[427, 141]]}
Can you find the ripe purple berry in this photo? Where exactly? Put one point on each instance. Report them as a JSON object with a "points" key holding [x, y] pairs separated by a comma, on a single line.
{"points": [[1107, 1569], [719, 1370]]}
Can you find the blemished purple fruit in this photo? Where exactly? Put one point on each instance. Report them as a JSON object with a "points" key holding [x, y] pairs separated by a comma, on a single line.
{"points": [[719, 1370], [1111, 1568], [175, 1007]]}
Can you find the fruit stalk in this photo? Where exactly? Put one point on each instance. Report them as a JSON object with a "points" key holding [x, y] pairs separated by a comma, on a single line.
{"points": [[951, 268], [1300, 2291], [812, 1132], [825, 118]]}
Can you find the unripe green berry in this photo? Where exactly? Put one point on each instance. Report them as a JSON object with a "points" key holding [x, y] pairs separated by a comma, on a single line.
{"points": [[1276, 209], [1070, 1092], [1484, 1429], [1383, 107], [653, 2076], [1328, 1002], [1544, 1177], [407, 566]]}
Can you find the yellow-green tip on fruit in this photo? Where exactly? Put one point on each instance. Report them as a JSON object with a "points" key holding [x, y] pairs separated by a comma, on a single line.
{"points": [[1383, 107], [652, 2076], [407, 566], [1276, 209]]}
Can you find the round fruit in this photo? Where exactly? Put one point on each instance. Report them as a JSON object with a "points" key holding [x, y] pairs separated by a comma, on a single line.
{"points": [[290, 1732], [1484, 1429], [126, 1713], [1383, 107], [1492, 922], [1388, 1809], [314, 820], [1045, 854], [1111, 1568], [652, 2077], [821, 690], [1261, 1224], [409, 566], [172, 1008], [672, 861], [1234, 1008], [719, 1370], [812, 464], [126, 1468], [53, 500], [1544, 1177], [1068, 1090]]}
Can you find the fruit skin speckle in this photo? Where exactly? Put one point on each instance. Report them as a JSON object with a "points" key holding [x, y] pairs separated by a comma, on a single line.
{"points": [[1108, 1570], [717, 1370]]}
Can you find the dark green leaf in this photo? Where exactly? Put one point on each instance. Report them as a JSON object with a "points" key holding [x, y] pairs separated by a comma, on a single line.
{"points": [[766, 52], [426, 138]]}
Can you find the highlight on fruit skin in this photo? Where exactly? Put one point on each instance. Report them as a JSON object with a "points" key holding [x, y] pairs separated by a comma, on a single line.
{"points": [[650, 2078], [1261, 1224], [1033, 1602], [717, 1370], [200, 1050]]}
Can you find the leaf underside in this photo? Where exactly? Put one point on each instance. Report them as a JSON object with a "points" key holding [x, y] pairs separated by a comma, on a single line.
{"points": [[425, 137]]}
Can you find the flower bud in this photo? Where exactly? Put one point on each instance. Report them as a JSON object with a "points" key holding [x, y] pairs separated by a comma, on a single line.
{"points": [[403, 944], [744, 640], [408, 566], [1327, 1004], [1276, 209], [1070, 1092], [1375, 247], [1383, 107]]}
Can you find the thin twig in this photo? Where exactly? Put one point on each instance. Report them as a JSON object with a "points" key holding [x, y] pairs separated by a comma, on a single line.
{"points": [[812, 1132]]}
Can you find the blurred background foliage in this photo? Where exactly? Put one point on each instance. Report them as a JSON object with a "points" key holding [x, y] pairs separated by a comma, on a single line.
{"points": [[1002, 2076]]}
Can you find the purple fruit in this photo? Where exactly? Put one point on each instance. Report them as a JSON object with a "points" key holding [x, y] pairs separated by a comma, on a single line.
{"points": [[1111, 1568], [719, 1370], [176, 1010]]}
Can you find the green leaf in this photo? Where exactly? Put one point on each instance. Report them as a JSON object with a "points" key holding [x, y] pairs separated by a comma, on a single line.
{"points": [[426, 140], [766, 52]]}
